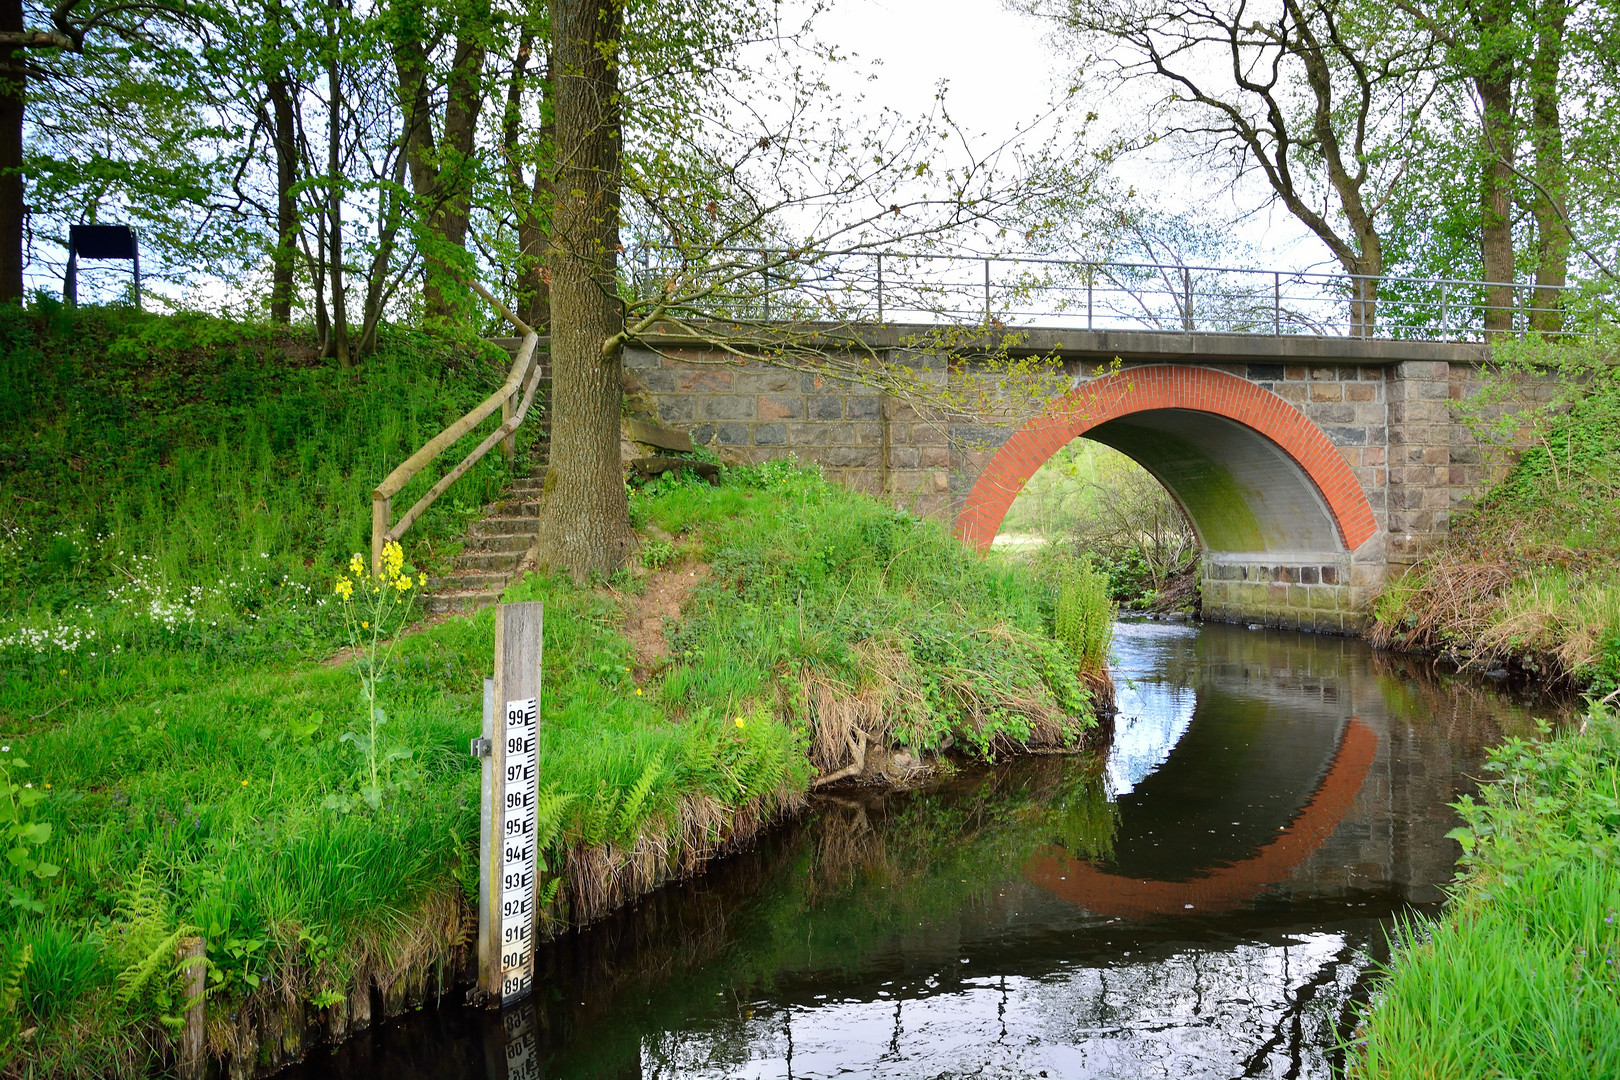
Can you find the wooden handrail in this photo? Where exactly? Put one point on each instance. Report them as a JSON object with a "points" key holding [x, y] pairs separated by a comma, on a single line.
{"points": [[525, 375]]}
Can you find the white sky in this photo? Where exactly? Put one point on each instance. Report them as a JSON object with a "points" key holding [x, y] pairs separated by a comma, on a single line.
{"points": [[1001, 70]]}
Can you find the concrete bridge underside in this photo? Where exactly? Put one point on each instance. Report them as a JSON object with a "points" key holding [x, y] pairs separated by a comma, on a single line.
{"points": [[1308, 467]]}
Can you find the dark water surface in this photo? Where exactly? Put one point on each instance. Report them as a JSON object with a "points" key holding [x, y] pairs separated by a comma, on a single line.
{"points": [[1205, 903]]}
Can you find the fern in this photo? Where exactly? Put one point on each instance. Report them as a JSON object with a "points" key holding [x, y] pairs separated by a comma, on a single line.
{"points": [[10, 995], [549, 810], [636, 799], [146, 940]]}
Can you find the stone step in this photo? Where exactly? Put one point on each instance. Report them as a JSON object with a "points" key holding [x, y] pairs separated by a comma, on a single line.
{"points": [[486, 560], [461, 600], [513, 541], [516, 508], [505, 525], [472, 580]]}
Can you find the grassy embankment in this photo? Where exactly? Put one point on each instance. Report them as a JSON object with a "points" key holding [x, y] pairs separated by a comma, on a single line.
{"points": [[178, 505], [1530, 577], [1521, 976]]}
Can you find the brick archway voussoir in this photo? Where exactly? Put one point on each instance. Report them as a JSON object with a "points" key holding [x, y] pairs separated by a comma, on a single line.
{"points": [[1165, 386]]}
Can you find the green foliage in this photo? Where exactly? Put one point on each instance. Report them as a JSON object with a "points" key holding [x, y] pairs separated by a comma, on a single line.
{"points": [[1083, 618], [1099, 501], [11, 977], [145, 936], [22, 835], [1524, 968]]}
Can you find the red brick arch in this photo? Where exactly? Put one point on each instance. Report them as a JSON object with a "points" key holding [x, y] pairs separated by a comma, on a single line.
{"points": [[1166, 387]]}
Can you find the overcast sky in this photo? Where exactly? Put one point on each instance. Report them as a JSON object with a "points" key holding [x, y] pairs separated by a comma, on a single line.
{"points": [[1002, 70]]}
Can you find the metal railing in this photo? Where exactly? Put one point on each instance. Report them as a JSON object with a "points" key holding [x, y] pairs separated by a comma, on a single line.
{"points": [[513, 398], [1031, 291]]}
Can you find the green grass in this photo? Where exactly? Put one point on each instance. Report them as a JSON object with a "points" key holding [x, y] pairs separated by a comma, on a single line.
{"points": [[1521, 976], [183, 488], [188, 772]]}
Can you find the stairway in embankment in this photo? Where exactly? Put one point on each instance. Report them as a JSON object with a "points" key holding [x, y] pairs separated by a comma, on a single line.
{"points": [[492, 555]]}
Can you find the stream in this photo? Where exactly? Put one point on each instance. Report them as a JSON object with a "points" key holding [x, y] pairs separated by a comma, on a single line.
{"points": [[1209, 900]]}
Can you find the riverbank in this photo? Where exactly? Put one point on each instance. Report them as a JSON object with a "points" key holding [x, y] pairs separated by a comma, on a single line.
{"points": [[1528, 581], [1521, 974], [819, 630]]}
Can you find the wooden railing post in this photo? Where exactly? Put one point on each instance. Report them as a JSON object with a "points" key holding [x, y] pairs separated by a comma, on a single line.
{"points": [[509, 444], [381, 512]]}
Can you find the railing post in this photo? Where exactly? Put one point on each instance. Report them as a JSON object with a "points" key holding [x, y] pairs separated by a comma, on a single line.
{"points": [[1445, 288], [987, 292], [880, 286], [381, 513], [1276, 304], [1186, 300], [1091, 278], [509, 444]]}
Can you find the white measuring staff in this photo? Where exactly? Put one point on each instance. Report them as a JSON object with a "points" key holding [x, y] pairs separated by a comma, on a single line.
{"points": [[520, 779]]}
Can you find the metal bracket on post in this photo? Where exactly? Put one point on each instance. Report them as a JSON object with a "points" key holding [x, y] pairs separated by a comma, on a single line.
{"points": [[509, 855]]}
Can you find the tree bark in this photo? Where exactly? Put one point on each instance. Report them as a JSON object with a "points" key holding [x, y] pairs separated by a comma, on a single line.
{"points": [[1494, 83], [1549, 201], [533, 291], [338, 344], [285, 137], [441, 166], [584, 515], [13, 95]]}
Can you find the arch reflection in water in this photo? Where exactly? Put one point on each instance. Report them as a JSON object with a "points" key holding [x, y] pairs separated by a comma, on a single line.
{"points": [[916, 935]]}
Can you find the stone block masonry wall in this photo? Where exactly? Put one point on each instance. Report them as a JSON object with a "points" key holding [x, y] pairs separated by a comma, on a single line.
{"points": [[1332, 595], [750, 412]]}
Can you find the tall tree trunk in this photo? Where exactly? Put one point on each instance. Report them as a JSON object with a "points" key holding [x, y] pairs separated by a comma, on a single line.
{"points": [[584, 516], [442, 167], [533, 291], [285, 137], [338, 347], [13, 94], [1549, 201], [1494, 83]]}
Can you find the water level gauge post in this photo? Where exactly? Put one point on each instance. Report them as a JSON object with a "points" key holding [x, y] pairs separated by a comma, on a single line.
{"points": [[510, 856]]}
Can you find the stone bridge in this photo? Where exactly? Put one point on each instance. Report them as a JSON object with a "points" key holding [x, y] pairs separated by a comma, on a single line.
{"points": [[1308, 466]]}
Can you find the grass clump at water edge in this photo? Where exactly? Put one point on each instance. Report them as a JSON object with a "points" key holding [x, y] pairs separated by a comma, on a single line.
{"points": [[1521, 974]]}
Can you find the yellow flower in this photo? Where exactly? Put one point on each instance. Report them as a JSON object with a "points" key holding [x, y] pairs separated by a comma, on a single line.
{"points": [[403, 584], [421, 579], [244, 783], [638, 691], [62, 672], [47, 787], [344, 588], [739, 721], [357, 565], [364, 625]]}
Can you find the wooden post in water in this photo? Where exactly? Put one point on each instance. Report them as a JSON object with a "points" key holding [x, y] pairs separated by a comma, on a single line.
{"points": [[509, 856]]}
